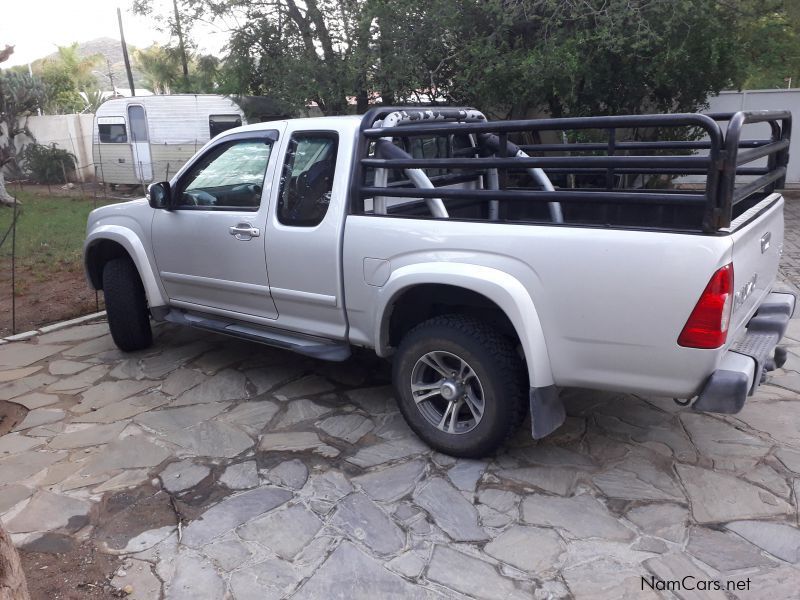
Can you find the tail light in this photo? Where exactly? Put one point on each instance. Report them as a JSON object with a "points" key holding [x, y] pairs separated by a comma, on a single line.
{"points": [[707, 326]]}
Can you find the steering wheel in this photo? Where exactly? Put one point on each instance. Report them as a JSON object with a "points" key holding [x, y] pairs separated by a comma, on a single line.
{"points": [[253, 188], [199, 198]]}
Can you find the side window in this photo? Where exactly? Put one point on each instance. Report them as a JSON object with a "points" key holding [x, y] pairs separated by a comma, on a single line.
{"points": [[219, 123], [112, 133], [307, 178], [229, 176]]}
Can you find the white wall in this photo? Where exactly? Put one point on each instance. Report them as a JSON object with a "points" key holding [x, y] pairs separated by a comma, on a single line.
{"points": [[764, 100], [69, 132]]}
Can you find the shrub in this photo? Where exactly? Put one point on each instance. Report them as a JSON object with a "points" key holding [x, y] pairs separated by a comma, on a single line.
{"points": [[47, 164]]}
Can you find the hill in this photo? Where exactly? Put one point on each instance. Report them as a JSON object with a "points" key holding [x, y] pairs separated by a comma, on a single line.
{"points": [[111, 50]]}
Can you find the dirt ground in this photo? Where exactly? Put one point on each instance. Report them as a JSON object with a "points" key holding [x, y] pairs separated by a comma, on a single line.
{"points": [[54, 288], [10, 414], [65, 296], [57, 567], [64, 570]]}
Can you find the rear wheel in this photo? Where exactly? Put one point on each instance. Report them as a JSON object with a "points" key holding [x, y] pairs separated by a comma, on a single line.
{"points": [[460, 385], [126, 305]]}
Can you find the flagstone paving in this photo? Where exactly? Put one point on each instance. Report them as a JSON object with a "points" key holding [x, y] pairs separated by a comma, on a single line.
{"points": [[222, 467]]}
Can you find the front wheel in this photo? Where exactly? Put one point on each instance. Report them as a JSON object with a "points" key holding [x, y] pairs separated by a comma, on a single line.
{"points": [[460, 385], [126, 305]]}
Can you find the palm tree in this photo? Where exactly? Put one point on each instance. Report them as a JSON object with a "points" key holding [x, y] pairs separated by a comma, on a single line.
{"points": [[79, 67], [93, 99], [161, 67]]}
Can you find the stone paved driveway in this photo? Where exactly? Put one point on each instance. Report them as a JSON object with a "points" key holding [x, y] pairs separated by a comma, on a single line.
{"points": [[223, 469], [294, 478]]}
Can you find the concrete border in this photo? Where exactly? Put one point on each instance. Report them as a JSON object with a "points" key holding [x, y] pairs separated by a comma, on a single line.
{"points": [[54, 327]]}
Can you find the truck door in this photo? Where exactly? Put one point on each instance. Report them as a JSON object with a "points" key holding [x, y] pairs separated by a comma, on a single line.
{"points": [[140, 143], [210, 247], [304, 237]]}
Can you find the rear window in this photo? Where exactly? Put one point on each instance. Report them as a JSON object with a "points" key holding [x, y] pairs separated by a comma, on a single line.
{"points": [[449, 146], [307, 178], [112, 133], [219, 123]]}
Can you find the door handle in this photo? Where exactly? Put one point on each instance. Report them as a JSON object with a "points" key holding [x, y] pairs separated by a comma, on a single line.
{"points": [[244, 231]]}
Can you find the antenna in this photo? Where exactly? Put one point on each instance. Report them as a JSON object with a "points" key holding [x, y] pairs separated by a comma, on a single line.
{"points": [[110, 75]]}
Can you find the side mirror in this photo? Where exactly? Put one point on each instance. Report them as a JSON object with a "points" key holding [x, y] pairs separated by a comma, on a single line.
{"points": [[159, 195]]}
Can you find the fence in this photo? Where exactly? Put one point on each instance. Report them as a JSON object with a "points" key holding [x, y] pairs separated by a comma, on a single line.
{"points": [[41, 236], [41, 277], [111, 163], [12, 231]]}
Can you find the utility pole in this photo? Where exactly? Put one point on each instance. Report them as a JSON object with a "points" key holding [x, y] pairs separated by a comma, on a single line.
{"points": [[181, 45], [125, 53]]}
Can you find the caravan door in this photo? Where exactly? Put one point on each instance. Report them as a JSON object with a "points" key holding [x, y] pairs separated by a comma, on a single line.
{"points": [[140, 143]]}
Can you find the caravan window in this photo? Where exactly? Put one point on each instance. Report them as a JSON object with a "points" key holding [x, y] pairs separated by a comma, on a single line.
{"points": [[219, 123], [112, 133]]}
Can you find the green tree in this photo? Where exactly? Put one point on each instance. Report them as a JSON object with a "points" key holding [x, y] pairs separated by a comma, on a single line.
{"points": [[20, 96], [293, 52], [66, 76], [94, 98], [598, 57], [163, 71], [204, 73], [62, 95], [770, 42], [161, 67], [80, 68], [510, 57]]}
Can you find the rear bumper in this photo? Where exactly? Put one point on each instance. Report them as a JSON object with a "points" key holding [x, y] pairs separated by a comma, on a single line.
{"points": [[743, 365]]}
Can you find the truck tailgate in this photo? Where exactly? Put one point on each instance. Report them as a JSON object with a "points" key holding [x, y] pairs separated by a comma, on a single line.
{"points": [[757, 246]]}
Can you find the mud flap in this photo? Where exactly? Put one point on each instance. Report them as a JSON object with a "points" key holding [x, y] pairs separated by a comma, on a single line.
{"points": [[547, 411]]}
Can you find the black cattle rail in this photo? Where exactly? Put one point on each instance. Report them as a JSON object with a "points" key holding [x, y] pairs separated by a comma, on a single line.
{"points": [[723, 159]]}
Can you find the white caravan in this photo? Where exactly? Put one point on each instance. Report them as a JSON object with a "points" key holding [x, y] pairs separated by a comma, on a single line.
{"points": [[149, 138]]}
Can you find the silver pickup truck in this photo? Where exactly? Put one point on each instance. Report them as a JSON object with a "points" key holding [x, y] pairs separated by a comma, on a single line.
{"points": [[493, 261]]}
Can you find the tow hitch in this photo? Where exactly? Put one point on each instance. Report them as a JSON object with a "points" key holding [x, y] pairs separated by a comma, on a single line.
{"points": [[777, 361]]}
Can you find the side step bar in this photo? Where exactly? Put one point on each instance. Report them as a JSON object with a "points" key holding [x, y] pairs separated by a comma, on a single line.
{"points": [[306, 345]]}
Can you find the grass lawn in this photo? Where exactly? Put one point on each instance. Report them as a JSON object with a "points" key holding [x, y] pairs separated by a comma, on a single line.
{"points": [[50, 232]]}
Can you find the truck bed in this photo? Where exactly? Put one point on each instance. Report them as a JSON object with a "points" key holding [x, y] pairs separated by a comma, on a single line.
{"points": [[616, 172], [615, 271]]}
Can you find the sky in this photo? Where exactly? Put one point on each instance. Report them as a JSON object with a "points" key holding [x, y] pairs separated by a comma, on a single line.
{"points": [[36, 27]]}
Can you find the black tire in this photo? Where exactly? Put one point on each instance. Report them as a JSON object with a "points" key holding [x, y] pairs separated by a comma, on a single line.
{"points": [[495, 364], [126, 305]]}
